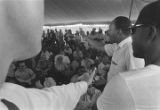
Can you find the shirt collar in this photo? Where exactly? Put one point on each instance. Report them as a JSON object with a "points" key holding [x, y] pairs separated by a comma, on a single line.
{"points": [[128, 39]]}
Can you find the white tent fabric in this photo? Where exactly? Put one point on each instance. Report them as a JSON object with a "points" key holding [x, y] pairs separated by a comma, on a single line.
{"points": [[82, 11]]}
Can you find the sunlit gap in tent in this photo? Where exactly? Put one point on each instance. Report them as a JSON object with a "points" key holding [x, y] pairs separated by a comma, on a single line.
{"points": [[77, 27]]}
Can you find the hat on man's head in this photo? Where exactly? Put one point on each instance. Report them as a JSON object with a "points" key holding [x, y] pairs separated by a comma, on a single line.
{"points": [[150, 14]]}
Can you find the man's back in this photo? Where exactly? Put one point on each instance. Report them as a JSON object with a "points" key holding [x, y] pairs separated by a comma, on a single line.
{"points": [[123, 59], [133, 90], [144, 85]]}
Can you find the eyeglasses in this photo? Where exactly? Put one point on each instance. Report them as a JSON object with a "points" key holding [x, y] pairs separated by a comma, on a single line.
{"points": [[135, 27]]}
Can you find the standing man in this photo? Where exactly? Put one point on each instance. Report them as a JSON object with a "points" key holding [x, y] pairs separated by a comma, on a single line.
{"points": [[122, 59], [138, 89], [21, 29]]}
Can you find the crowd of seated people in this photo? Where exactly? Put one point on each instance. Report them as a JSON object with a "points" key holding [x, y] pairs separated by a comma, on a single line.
{"points": [[64, 58]]}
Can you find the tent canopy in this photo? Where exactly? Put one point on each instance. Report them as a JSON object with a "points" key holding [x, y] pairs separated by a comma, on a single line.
{"points": [[89, 11]]}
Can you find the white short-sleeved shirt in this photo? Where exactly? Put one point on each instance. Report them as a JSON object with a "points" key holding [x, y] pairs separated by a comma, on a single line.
{"points": [[123, 59], [133, 90], [63, 97], [110, 48]]}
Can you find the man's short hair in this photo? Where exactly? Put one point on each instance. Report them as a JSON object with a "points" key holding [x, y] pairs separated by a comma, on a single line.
{"points": [[123, 23], [150, 15]]}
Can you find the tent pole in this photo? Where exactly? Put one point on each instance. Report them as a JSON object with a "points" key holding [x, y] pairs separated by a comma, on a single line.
{"points": [[131, 7]]}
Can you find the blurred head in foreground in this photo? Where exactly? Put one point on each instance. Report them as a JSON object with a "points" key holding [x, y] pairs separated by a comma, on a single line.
{"points": [[146, 34], [21, 30]]}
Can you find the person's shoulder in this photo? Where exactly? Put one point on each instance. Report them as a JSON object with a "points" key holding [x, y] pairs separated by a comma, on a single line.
{"points": [[128, 77], [11, 86], [127, 46], [134, 74]]}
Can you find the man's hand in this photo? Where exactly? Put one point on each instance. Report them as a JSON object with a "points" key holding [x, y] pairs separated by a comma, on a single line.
{"points": [[88, 77], [95, 44]]}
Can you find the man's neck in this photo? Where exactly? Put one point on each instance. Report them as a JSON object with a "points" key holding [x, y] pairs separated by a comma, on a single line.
{"points": [[123, 37], [154, 58], [148, 62]]}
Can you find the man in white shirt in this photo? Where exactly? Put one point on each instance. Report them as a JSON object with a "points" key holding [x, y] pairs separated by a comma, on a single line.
{"points": [[122, 59], [21, 28], [138, 89]]}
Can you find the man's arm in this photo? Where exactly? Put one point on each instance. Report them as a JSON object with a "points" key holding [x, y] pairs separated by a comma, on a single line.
{"points": [[116, 96], [67, 96], [95, 44], [63, 97]]}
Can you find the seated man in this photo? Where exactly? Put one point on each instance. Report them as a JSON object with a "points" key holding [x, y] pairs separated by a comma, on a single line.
{"points": [[87, 62], [21, 29], [61, 62], [67, 50], [103, 67], [77, 54], [44, 64], [138, 89], [24, 75]]}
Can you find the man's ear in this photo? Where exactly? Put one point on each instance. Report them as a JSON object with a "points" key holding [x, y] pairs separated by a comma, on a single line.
{"points": [[152, 33], [119, 31]]}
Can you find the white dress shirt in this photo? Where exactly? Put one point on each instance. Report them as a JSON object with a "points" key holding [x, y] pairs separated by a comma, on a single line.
{"points": [[133, 90], [123, 59], [63, 97]]}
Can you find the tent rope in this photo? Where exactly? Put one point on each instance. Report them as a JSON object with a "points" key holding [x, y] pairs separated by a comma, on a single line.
{"points": [[131, 7]]}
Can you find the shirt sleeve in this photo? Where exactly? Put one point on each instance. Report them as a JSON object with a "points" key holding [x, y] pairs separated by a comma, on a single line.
{"points": [[116, 96], [63, 97], [110, 48]]}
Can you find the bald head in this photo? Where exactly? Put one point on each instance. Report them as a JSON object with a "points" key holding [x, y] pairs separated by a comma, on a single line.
{"points": [[21, 27], [21, 24]]}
